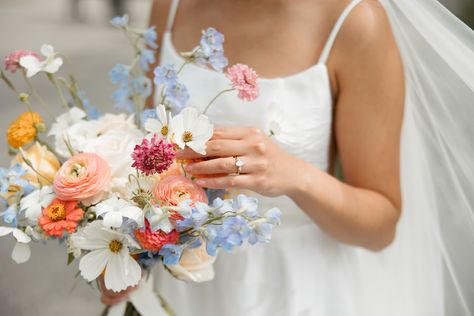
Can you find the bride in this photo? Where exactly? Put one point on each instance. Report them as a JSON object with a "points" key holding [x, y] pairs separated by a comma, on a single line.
{"points": [[383, 87]]}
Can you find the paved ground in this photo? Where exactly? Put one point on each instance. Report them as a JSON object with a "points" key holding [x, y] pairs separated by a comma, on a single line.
{"points": [[44, 285]]}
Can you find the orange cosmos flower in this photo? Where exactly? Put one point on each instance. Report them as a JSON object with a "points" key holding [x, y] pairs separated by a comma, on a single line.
{"points": [[60, 216]]}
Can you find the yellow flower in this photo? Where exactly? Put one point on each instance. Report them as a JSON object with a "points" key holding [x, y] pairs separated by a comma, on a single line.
{"points": [[44, 161], [23, 130]]}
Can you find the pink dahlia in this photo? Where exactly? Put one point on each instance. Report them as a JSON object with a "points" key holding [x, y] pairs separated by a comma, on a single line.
{"points": [[154, 241], [153, 156], [12, 61], [244, 80]]}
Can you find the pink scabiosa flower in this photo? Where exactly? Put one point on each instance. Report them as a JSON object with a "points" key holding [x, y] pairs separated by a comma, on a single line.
{"points": [[12, 60], [153, 156], [244, 80], [82, 176]]}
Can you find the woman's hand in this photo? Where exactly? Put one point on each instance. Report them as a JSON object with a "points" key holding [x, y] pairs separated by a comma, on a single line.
{"points": [[110, 297], [265, 168]]}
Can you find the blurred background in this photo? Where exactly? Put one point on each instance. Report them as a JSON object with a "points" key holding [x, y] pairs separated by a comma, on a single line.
{"points": [[79, 29]]}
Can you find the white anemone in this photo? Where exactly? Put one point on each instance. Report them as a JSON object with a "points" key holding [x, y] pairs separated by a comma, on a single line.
{"points": [[50, 64], [21, 252], [161, 125], [109, 250], [192, 129], [113, 210]]}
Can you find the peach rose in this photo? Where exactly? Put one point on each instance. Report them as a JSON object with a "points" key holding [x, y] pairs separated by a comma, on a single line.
{"points": [[81, 177], [176, 189], [195, 265], [44, 161]]}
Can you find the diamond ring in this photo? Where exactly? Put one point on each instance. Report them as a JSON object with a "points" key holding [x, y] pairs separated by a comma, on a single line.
{"points": [[239, 163]]}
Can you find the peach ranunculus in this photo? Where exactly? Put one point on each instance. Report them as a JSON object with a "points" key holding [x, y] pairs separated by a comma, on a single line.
{"points": [[195, 265], [82, 176], [174, 170], [60, 216], [176, 189], [44, 161]]}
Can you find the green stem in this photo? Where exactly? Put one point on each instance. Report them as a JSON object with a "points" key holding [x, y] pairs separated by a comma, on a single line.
{"points": [[215, 98], [30, 164], [53, 80], [36, 94], [166, 306], [8, 82]]}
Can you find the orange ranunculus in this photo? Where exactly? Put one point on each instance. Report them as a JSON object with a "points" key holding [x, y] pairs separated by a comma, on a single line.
{"points": [[44, 161], [176, 189], [60, 216], [23, 130]]}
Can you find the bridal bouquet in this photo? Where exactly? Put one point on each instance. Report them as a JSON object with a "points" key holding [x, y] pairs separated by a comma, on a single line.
{"points": [[110, 188]]}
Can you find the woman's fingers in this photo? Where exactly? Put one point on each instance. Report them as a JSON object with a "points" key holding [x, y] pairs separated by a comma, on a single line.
{"points": [[216, 148], [237, 181], [221, 166], [234, 132]]}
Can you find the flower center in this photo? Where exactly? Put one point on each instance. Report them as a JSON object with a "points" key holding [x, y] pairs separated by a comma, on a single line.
{"points": [[14, 188], [77, 169], [57, 212], [115, 246], [164, 130], [187, 136]]}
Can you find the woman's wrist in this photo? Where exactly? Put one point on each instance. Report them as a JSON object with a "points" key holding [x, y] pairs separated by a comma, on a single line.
{"points": [[300, 179]]}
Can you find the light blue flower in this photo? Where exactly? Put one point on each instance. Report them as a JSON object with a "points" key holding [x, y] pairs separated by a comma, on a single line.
{"points": [[10, 215], [211, 40], [122, 99], [218, 61], [147, 57], [273, 215], [233, 232], [261, 232], [150, 37], [194, 216], [148, 259], [165, 75], [171, 254], [92, 112], [221, 206], [140, 86], [248, 204], [13, 177], [120, 21], [177, 96], [119, 74], [148, 114]]}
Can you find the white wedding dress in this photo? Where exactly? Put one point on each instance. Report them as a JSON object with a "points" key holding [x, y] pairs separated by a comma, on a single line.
{"points": [[302, 271]]}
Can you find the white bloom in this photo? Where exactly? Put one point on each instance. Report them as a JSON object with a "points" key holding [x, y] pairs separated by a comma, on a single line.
{"points": [[113, 210], [276, 122], [192, 130], [34, 203], [159, 219], [78, 135], [21, 252], [109, 250], [50, 64], [66, 120], [72, 248], [161, 125]]}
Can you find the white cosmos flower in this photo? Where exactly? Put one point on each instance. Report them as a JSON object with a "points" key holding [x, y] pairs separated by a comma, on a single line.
{"points": [[34, 203], [50, 64], [161, 125], [192, 129], [109, 250], [113, 210], [21, 252]]}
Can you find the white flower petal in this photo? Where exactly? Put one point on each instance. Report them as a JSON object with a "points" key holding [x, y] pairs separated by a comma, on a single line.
{"points": [[132, 212], [92, 264], [53, 66], [153, 126], [133, 272], [31, 64], [113, 219], [21, 252], [20, 236], [47, 50], [6, 230], [114, 274], [197, 146]]}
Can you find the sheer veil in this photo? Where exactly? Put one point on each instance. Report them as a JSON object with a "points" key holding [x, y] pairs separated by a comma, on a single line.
{"points": [[437, 162]]}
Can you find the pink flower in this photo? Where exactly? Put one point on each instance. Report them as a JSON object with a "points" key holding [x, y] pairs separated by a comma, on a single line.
{"points": [[244, 80], [153, 156], [176, 189], [81, 177], [154, 241], [12, 61]]}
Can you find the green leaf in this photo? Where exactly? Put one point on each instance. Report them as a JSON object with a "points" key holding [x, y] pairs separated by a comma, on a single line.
{"points": [[70, 258]]}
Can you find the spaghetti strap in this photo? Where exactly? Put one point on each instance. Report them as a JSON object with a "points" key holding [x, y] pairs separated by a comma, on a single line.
{"points": [[171, 15], [337, 27]]}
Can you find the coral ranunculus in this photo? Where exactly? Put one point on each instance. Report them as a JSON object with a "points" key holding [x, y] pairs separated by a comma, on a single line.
{"points": [[176, 189], [60, 216], [81, 177], [44, 161], [153, 241], [23, 130]]}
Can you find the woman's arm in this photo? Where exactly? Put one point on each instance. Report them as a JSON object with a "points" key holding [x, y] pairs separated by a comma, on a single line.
{"points": [[369, 85]]}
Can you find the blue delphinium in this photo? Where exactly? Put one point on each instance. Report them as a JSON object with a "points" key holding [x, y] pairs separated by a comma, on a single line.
{"points": [[9, 216], [147, 57], [150, 37], [249, 204], [260, 232], [211, 40], [148, 259], [165, 75], [120, 21], [211, 50], [273, 215], [195, 215], [91, 110], [233, 232], [13, 177], [176, 95], [171, 253], [120, 74], [148, 114]]}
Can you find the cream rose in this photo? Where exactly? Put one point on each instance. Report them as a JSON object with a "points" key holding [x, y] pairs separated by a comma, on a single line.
{"points": [[195, 265], [44, 161]]}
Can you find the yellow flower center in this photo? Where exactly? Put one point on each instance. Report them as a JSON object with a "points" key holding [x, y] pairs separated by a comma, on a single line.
{"points": [[115, 246], [164, 130], [57, 212], [14, 188], [187, 136], [77, 170]]}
